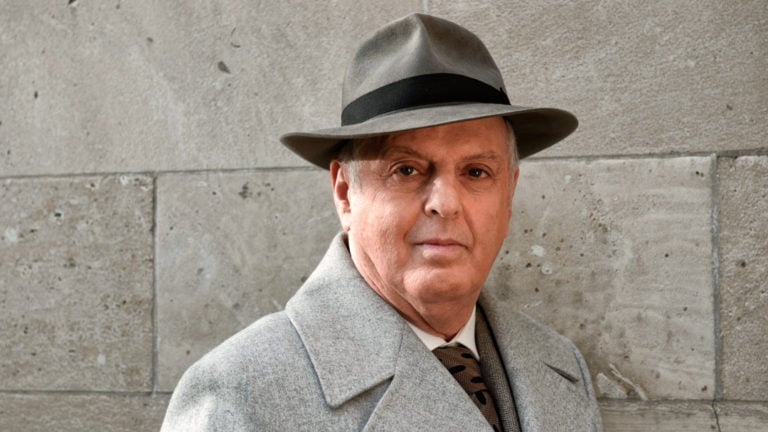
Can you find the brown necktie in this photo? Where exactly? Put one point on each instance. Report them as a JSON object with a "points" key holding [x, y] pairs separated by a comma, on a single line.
{"points": [[466, 370]]}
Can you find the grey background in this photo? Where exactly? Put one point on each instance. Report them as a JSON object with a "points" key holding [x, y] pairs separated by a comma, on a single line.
{"points": [[147, 210]]}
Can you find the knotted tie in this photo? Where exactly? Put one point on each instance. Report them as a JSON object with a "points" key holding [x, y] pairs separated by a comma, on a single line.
{"points": [[466, 370]]}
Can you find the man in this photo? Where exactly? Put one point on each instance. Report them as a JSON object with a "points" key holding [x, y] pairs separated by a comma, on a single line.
{"points": [[391, 331]]}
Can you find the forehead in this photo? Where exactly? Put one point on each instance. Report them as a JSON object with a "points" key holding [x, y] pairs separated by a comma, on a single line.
{"points": [[483, 136]]}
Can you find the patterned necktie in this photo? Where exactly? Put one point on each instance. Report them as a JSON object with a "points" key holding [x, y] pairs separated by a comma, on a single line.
{"points": [[466, 370]]}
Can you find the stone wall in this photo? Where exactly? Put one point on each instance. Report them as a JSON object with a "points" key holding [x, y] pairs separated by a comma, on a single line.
{"points": [[147, 210]]}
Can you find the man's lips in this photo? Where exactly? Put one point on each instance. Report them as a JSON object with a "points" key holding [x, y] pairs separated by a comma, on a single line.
{"points": [[440, 242], [441, 248]]}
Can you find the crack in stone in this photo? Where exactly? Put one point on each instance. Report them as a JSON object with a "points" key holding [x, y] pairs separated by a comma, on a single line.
{"points": [[717, 416]]}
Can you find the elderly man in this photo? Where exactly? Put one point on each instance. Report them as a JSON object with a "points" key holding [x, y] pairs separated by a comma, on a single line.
{"points": [[391, 331]]}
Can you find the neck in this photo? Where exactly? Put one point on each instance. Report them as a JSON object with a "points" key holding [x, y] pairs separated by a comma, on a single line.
{"points": [[441, 316], [443, 321]]}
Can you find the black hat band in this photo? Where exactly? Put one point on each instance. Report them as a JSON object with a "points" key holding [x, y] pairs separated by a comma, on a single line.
{"points": [[420, 91]]}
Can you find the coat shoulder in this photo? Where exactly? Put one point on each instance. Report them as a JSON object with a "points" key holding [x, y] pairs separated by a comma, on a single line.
{"points": [[266, 342], [232, 386]]}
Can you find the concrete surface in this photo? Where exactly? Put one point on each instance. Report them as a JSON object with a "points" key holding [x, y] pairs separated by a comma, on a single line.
{"points": [[145, 202], [743, 206], [230, 249], [82, 413], [143, 85], [76, 283], [684, 416], [742, 417], [665, 76], [617, 255]]}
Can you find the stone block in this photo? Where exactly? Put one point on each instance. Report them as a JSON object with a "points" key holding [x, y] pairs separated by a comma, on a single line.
{"points": [[742, 417], [79, 413], [230, 249], [617, 256], [146, 85], [76, 283], [743, 205], [658, 77], [622, 416]]}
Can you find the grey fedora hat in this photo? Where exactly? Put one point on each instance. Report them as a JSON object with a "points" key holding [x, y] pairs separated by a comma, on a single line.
{"points": [[422, 71]]}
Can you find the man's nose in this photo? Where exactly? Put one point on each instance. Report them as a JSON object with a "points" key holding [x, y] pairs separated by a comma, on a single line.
{"points": [[444, 198]]}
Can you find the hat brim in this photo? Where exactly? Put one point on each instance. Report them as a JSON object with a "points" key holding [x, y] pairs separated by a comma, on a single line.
{"points": [[535, 128]]}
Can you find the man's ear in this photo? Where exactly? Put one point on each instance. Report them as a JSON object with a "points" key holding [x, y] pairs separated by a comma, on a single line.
{"points": [[513, 187], [514, 176], [513, 184], [341, 188]]}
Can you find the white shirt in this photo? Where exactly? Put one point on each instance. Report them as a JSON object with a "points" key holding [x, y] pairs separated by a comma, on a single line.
{"points": [[465, 336]]}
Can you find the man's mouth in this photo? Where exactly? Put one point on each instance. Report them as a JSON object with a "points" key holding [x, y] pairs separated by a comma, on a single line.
{"points": [[441, 248]]}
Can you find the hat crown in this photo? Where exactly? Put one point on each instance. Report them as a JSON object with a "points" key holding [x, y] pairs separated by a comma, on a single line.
{"points": [[422, 71], [418, 45]]}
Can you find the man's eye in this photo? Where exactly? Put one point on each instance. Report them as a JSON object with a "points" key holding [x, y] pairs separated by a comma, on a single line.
{"points": [[406, 170], [476, 172]]}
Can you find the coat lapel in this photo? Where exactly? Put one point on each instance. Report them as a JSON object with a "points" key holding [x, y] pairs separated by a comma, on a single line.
{"points": [[547, 381], [356, 341], [351, 335], [424, 396]]}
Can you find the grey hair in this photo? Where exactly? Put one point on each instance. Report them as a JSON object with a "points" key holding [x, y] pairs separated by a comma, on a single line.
{"points": [[514, 155], [352, 152]]}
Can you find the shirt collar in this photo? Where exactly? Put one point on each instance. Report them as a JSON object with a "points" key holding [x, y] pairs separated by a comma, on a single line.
{"points": [[465, 336]]}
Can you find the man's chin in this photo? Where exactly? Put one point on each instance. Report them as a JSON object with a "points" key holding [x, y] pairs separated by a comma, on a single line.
{"points": [[436, 285]]}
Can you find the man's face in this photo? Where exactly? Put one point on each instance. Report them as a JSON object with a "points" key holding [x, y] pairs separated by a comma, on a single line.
{"points": [[428, 211]]}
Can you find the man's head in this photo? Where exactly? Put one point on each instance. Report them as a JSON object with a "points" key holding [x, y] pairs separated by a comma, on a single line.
{"points": [[425, 190], [426, 212]]}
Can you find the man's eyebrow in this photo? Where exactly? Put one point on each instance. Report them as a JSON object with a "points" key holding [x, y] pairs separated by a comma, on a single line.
{"points": [[488, 156], [492, 156], [400, 151]]}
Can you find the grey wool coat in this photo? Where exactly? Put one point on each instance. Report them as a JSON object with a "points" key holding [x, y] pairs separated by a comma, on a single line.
{"points": [[339, 358]]}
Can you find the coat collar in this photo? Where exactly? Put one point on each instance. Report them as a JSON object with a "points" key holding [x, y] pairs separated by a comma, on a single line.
{"points": [[364, 342], [551, 391], [524, 341], [356, 341], [352, 336], [424, 396]]}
